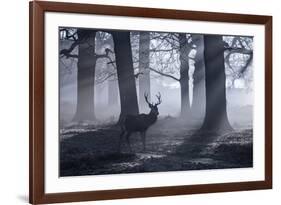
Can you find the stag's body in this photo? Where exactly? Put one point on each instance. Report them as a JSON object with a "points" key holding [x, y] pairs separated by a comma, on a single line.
{"points": [[139, 123]]}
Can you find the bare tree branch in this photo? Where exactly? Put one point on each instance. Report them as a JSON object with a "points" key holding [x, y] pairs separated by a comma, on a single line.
{"points": [[164, 74], [239, 51], [109, 75], [161, 50], [67, 52]]}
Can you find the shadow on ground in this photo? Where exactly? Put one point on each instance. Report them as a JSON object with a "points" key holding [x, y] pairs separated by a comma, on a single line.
{"points": [[171, 146]]}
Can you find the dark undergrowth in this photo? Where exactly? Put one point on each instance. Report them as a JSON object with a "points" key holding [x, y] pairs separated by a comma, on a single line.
{"points": [[170, 147]]}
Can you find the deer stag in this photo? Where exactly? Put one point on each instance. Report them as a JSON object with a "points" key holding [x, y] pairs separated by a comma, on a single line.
{"points": [[140, 123]]}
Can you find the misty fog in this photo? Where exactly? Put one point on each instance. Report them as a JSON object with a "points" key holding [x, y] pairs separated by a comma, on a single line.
{"points": [[239, 92], [195, 90]]}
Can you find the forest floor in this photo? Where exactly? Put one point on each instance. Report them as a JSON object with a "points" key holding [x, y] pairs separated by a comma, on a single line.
{"points": [[170, 146]]}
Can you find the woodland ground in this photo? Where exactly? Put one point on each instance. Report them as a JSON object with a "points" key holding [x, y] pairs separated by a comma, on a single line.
{"points": [[170, 146]]}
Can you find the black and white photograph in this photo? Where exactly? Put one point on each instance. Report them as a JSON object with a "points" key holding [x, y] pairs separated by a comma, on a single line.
{"points": [[143, 101]]}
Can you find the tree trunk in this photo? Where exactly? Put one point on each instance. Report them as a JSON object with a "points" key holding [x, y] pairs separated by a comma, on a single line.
{"points": [[144, 77], [85, 76], [184, 80], [125, 73], [216, 119], [184, 87], [198, 101]]}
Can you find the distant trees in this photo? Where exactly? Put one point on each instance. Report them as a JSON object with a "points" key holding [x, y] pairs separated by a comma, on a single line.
{"points": [[144, 71], [84, 39], [173, 50], [107, 72], [238, 57], [203, 64], [87, 57], [198, 100]]}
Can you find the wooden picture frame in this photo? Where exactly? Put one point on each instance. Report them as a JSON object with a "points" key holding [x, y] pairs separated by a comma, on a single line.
{"points": [[37, 10]]}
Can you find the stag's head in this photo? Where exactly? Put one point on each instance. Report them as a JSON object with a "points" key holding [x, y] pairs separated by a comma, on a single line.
{"points": [[153, 107]]}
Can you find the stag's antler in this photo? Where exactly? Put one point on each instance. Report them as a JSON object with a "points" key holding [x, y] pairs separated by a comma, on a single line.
{"points": [[146, 96], [159, 99]]}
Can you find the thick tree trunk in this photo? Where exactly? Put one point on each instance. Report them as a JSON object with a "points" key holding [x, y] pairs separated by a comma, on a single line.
{"points": [[85, 76], [185, 109], [144, 77], [198, 102], [216, 119], [125, 73], [184, 79]]}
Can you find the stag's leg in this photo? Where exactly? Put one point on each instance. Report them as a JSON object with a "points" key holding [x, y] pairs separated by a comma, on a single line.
{"points": [[143, 140], [128, 140]]}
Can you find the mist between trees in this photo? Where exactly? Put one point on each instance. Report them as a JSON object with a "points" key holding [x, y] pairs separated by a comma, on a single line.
{"points": [[205, 79]]}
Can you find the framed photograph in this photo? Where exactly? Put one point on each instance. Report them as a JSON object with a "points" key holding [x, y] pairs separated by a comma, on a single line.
{"points": [[138, 102]]}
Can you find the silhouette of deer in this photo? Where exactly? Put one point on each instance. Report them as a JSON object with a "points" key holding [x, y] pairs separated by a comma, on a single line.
{"points": [[139, 123]]}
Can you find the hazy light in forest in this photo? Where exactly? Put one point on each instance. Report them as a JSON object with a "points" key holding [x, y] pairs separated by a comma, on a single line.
{"points": [[173, 85], [239, 83], [239, 92]]}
